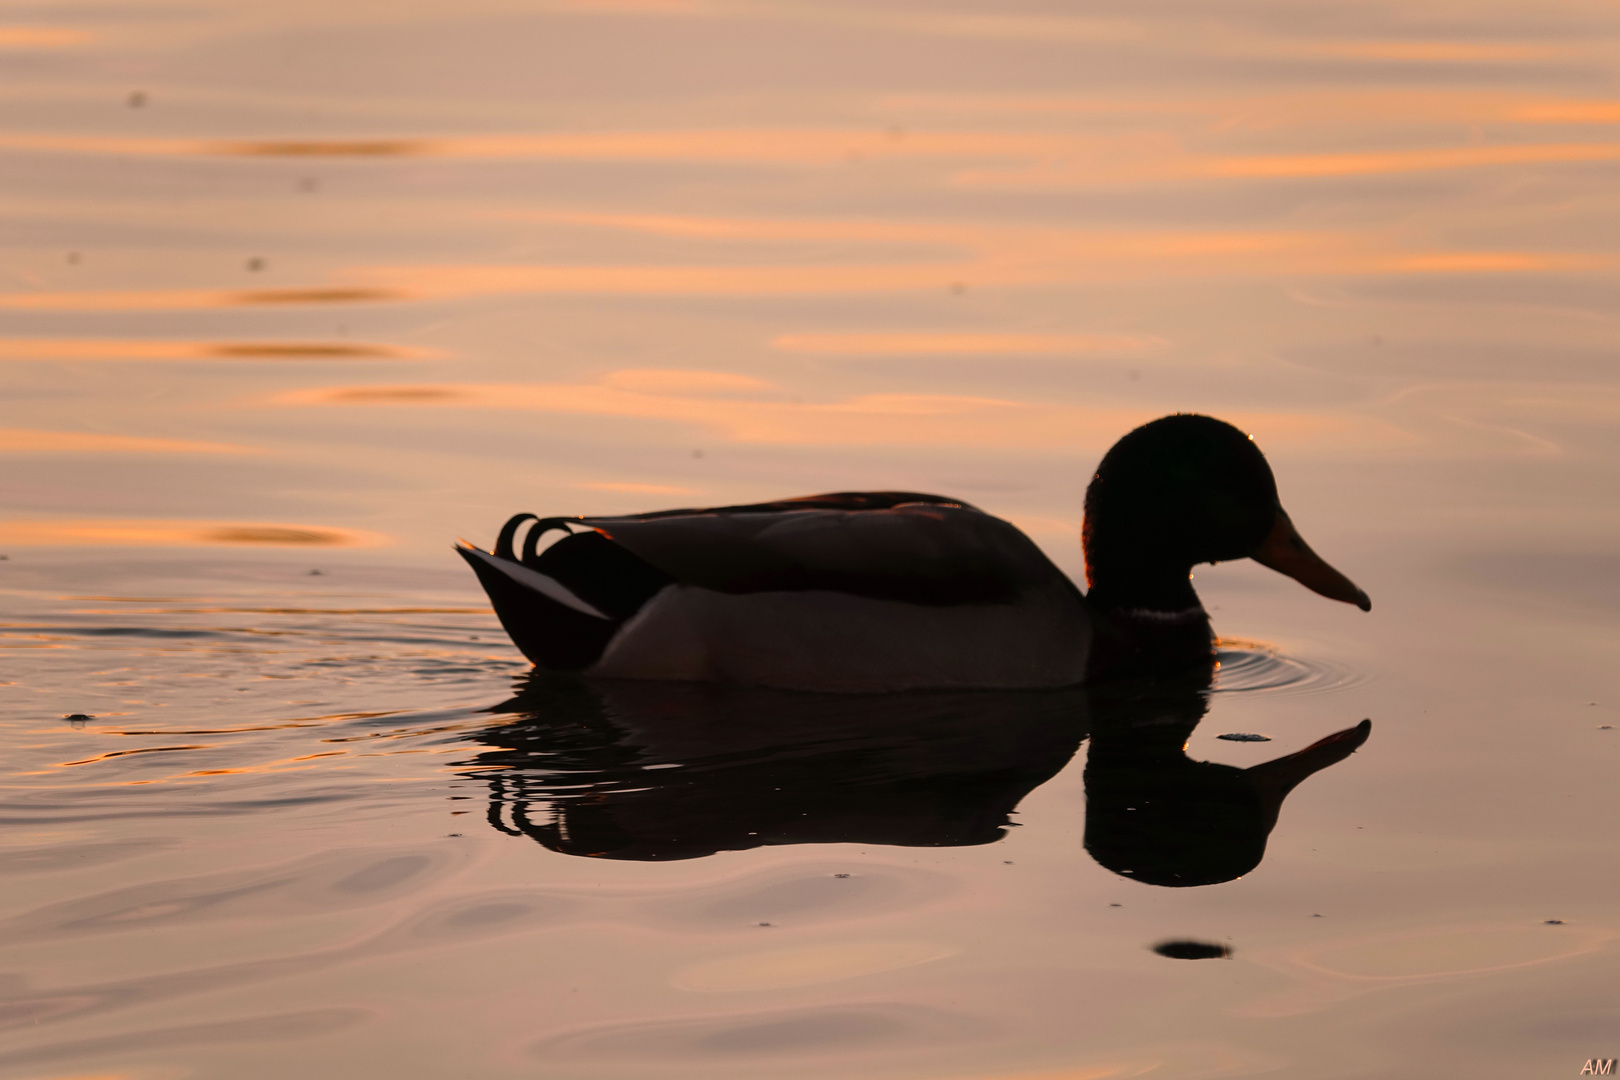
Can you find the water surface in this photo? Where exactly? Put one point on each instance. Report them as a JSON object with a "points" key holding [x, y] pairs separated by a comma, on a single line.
{"points": [[293, 297]]}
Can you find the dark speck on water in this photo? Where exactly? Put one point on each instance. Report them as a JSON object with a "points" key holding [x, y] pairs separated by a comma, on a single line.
{"points": [[1553, 922], [1187, 949], [1240, 736]]}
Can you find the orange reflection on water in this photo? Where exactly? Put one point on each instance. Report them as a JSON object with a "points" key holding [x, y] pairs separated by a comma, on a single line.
{"points": [[1439, 51], [1297, 108], [188, 299], [1569, 112], [140, 349], [863, 420], [1291, 166], [949, 256], [447, 282], [924, 343], [25, 441], [629, 488], [804, 146], [42, 37], [181, 533], [1489, 262], [1399, 161], [1004, 258]]}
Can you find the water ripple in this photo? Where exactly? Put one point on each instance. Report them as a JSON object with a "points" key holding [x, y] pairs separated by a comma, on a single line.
{"points": [[1253, 666]]}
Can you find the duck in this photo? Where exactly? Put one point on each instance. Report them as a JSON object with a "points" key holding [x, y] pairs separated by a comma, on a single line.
{"points": [[888, 591]]}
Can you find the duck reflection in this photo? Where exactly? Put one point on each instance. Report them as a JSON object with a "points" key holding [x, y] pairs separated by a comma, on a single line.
{"points": [[1155, 815], [664, 771], [642, 770]]}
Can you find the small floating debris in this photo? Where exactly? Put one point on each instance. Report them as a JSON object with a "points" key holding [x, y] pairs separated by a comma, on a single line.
{"points": [[1601, 727], [764, 924], [1552, 922], [1192, 950], [78, 718], [1243, 736], [840, 875]]}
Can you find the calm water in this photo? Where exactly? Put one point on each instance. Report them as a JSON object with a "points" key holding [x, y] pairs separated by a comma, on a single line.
{"points": [[293, 295]]}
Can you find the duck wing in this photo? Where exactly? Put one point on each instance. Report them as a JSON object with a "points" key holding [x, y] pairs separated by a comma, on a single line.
{"points": [[919, 549]]}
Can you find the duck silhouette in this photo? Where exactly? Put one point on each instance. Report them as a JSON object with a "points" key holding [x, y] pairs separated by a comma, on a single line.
{"points": [[663, 771], [666, 771], [870, 592]]}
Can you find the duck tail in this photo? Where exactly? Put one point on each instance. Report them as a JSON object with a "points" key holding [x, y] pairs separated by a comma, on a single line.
{"points": [[545, 619]]}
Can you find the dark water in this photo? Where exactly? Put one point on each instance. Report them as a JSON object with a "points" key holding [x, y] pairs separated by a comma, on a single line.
{"points": [[294, 296]]}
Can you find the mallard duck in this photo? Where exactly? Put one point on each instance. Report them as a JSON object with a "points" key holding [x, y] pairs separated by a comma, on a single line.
{"points": [[878, 591]]}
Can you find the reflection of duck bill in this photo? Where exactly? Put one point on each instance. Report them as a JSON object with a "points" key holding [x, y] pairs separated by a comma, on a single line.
{"points": [[1275, 779]]}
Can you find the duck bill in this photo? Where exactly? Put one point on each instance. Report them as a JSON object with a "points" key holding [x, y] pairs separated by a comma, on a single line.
{"points": [[1285, 552]]}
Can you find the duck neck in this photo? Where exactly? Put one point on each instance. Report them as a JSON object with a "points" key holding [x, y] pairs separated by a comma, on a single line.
{"points": [[1126, 583], [1158, 623]]}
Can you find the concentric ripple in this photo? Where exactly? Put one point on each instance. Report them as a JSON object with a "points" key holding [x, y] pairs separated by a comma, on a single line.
{"points": [[1254, 666]]}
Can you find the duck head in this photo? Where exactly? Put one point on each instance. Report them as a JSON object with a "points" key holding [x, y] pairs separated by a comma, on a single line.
{"points": [[1183, 490]]}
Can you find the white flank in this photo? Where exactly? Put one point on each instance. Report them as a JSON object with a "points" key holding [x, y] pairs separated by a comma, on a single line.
{"points": [[851, 644]]}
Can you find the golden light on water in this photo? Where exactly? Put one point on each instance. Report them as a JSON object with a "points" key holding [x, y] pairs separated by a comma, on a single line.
{"points": [[923, 343], [139, 533], [749, 410], [139, 349], [24, 441], [42, 37]]}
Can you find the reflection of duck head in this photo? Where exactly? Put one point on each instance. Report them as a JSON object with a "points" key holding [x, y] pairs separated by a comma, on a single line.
{"points": [[644, 771], [1156, 816]]}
